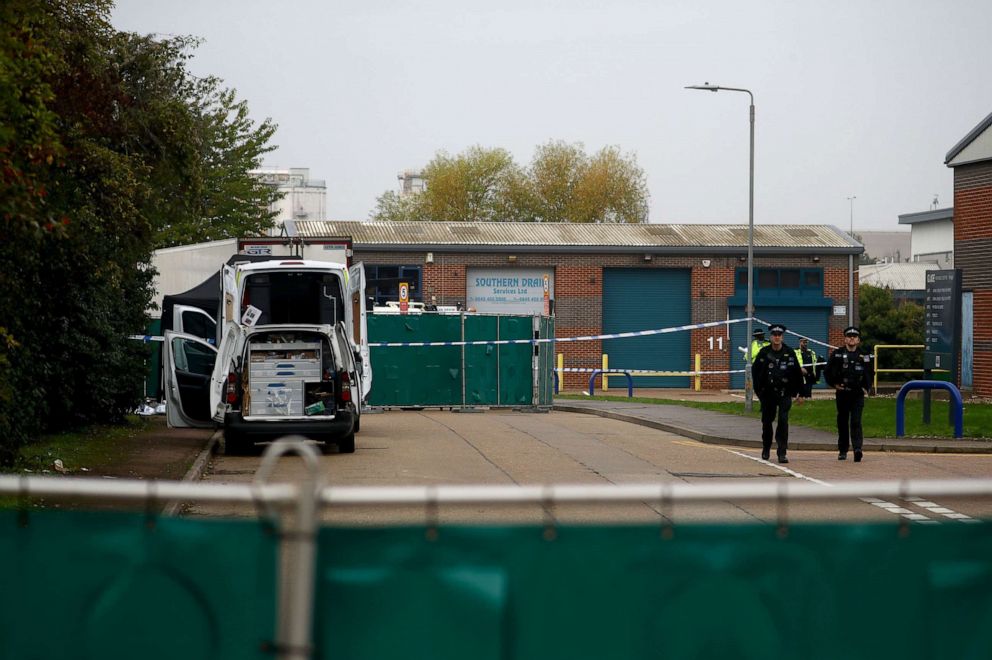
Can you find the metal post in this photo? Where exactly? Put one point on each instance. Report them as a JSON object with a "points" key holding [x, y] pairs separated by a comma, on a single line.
{"points": [[748, 382], [748, 372]]}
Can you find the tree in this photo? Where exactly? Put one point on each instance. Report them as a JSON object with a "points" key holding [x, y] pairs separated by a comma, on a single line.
{"points": [[108, 149], [882, 322], [562, 184]]}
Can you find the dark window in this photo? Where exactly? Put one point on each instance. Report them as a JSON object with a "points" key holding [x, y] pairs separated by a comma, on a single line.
{"points": [[742, 277], [199, 325], [383, 282], [788, 279], [812, 279], [767, 278]]}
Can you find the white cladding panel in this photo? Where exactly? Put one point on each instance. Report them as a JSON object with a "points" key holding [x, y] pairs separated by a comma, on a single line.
{"points": [[933, 237], [508, 290], [182, 268]]}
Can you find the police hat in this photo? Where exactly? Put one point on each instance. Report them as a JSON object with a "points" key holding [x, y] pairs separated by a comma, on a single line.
{"points": [[852, 331], [778, 328], [758, 332]]}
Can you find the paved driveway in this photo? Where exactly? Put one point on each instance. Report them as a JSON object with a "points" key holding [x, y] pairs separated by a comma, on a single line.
{"points": [[506, 447]]}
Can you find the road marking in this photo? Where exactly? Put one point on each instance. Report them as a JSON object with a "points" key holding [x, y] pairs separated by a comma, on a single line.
{"points": [[882, 504], [795, 474], [933, 507]]}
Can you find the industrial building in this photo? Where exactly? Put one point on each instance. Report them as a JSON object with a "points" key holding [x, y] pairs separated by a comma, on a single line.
{"points": [[612, 278]]}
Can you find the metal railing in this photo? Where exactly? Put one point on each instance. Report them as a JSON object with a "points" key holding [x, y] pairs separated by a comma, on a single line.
{"points": [[297, 506], [878, 370]]}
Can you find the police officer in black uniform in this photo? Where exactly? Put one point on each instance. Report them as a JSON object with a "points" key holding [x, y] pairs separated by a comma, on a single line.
{"points": [[850, 371], [778, 379]]}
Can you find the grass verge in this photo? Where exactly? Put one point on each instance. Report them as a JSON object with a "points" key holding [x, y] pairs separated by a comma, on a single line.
{"points": [[878, 419]]}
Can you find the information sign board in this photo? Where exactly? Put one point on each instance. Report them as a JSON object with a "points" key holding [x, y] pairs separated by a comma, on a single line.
{"points": [[942, 320]]}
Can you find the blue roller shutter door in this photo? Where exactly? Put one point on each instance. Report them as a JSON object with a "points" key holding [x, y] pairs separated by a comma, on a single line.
{"points": [[647, 299], [809, 321]]}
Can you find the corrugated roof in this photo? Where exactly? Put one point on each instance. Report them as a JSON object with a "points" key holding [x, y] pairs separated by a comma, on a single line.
{"points": [[898, 277], [570, 235]]}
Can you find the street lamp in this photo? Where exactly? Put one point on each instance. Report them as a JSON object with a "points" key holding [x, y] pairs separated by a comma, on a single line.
{"points": [[748, 381], [851, 200]]}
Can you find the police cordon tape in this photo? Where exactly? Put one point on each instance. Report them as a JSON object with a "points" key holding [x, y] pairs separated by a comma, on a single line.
{"points": [[495, 342], [553, 340]]}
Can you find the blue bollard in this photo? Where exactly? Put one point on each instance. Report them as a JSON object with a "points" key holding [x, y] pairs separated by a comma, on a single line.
{"points": [[957, 404]]}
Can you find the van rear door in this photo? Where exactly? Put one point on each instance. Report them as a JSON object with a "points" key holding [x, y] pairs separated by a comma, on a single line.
{"points": [[356, 289], [230, 344], [189, 363]]}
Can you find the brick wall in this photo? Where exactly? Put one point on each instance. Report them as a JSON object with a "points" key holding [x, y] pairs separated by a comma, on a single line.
{"points": [[579, 293], [973, 255]]}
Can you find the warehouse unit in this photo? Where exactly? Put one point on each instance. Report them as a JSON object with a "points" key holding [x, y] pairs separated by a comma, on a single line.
{"points": [[611, 278]]}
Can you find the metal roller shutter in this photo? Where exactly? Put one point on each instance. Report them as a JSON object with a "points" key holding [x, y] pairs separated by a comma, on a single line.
{"points": [[647, 299]]}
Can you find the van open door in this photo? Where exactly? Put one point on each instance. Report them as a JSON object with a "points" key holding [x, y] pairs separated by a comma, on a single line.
{"points": [[194, 321], [356, 289], [230, 303], [189, 364], [224, 365]]}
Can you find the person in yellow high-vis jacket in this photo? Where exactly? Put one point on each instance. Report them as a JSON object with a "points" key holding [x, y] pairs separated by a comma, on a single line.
{"points": [[811, 370], [758, 343]]}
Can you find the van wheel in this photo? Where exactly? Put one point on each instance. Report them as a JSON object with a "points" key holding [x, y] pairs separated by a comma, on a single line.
{"points": [[358, 423], [346, 445]]}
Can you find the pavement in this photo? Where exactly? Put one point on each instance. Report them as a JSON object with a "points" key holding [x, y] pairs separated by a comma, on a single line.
{"points": [[735, 430]]}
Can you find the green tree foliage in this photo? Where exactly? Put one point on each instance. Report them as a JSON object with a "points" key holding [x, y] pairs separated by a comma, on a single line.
{"points": [[108, 149], [883, 322], [561, 184]]}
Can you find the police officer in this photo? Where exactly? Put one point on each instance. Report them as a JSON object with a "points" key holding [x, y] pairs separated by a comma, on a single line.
{"points": [[777, 379], [850, 371], [811, 370], [757, 343]]}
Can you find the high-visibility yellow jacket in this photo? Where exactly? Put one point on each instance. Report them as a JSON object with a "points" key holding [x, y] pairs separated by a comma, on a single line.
{"points": [[757, 345]]}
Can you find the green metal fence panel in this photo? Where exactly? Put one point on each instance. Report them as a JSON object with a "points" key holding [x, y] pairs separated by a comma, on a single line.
{"points": [[108, 585], [516, 372], [819, 592], [491, 375], [547, 363], [412, 375], [153, 363]]}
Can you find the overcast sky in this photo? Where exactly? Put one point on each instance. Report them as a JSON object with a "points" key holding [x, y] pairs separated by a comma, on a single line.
{"points": [[853, 98]]}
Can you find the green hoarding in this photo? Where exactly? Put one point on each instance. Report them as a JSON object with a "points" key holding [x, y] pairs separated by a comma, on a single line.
{"points": [[462, 375]]}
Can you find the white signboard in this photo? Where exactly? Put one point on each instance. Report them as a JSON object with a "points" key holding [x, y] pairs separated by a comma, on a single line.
{"points": [[508, 290]]}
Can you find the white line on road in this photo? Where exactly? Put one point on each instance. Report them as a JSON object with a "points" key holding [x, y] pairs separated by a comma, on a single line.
{"points": [[797, 475], [882, 504], [933, 507]]}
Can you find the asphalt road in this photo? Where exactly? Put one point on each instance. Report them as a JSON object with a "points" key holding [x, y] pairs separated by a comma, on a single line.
{"points": [[505, 447]]}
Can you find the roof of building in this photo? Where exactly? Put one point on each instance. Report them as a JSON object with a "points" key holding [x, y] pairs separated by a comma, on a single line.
{"points": [[972, 135], [898, 277], [926, 216], [574, 237]]}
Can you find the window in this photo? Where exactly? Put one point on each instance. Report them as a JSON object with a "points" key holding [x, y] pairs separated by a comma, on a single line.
{"points": [[788, 279], [767, 278], [383, 282], [782, 281]]}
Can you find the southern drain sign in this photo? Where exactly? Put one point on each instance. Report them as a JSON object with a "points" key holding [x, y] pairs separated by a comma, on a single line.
{"points": [[509, 290]]}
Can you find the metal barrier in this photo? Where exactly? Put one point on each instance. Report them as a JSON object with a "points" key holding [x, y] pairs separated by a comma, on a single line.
{"points": [[597, 372], [957, 404], [874, 385], [331, 604]]}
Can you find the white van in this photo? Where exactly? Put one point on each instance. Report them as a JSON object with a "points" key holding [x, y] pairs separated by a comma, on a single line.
{"points": [[292, 356]]}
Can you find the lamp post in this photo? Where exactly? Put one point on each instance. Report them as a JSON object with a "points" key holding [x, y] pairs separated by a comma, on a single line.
{"points": [[748, 381], [851, 200]]}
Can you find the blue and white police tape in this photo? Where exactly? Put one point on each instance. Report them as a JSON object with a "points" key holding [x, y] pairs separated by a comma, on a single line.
{"points": [[147, 338], [648, 372], [556, 340], [790, 332]]}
